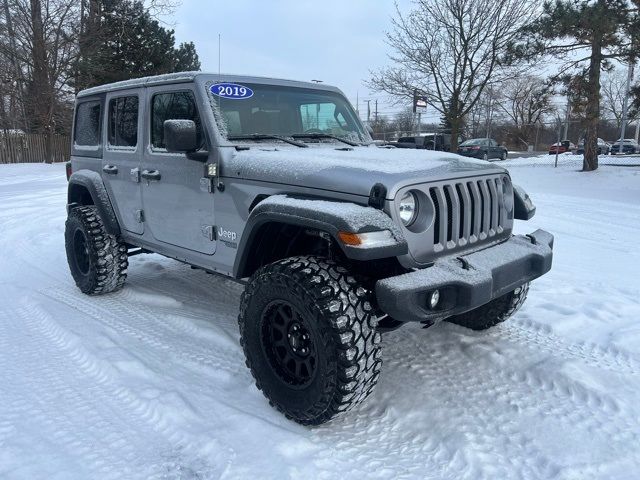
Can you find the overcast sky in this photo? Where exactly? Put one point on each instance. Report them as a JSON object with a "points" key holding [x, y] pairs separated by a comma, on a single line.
{"points": [[337, 41]]}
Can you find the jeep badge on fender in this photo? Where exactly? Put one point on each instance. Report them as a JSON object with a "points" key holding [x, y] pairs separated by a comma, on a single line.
{"points": [[278, 185]]}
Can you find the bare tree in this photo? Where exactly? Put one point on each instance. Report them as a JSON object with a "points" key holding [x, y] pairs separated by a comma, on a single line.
{"points": [[450, 51], [613, 91], [525, 101]]}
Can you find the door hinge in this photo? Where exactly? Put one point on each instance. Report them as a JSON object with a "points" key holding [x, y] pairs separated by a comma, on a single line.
{"points": [[140, 216], [209, 231], [135, 175]]}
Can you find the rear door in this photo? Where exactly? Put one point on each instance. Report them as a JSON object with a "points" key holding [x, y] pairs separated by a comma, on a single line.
{"points": [[122, 156], [177, 209]]}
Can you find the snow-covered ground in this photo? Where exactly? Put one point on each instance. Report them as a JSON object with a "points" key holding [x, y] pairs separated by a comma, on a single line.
{"points": [[150, 382]]}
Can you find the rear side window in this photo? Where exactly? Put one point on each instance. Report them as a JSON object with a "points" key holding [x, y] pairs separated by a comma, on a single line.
{"points": [[87, 127], [172, 106], [123, 121], [407, 140]]}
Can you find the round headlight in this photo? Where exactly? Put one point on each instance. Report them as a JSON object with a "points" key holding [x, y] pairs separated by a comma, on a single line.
{"points": [[408, 208]]}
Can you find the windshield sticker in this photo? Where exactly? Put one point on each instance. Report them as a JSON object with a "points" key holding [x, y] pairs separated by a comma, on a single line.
{"points": [[231, 90]]}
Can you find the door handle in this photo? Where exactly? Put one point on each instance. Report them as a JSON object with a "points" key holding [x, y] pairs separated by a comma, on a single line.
{"points": [[110, 169], [151, 175]]}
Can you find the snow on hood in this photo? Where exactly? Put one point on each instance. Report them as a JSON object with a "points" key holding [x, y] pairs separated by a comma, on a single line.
{"points": [[350, 170]]}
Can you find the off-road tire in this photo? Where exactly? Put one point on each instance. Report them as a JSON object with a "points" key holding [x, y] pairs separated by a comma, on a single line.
{"points": [[102, 265], [336, 310], [494, 312]]}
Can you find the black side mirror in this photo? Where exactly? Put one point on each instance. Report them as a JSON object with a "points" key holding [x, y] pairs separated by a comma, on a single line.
{"points": [[180, 136]]}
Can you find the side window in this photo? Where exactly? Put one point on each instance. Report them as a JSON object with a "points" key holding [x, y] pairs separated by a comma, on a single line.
{"points": [[87, 127], [172, 106], [123, 121], [493, 143]]}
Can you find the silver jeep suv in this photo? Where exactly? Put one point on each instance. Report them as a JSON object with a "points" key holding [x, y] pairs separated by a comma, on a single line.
{"points": [[278, 185]]}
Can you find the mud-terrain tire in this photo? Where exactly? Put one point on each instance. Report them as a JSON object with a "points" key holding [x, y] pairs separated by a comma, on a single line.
{"points": [[494, 312], [309, 311], [97, 259]]}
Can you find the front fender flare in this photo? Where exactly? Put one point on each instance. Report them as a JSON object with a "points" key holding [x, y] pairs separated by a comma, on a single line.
{"points": [[326, 216], [92, 182]]}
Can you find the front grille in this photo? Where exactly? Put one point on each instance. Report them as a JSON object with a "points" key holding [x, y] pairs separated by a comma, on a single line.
{"points": [[467, 212]]}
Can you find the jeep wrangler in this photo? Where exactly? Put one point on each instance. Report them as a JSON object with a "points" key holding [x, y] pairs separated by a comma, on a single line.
{"points": [[277, 184]]}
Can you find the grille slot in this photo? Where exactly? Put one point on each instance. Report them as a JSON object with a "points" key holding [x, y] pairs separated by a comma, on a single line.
{"points": [[467, 212]]}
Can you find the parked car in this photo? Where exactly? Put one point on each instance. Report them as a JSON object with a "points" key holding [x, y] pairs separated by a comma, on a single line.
{"points": [[562, 147], [276, 184], [603, 147], [485, 148], [427, 141], [629, 145]]}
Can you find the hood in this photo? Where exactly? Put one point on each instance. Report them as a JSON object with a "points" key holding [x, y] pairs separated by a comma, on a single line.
{"points": [[350, 169]]}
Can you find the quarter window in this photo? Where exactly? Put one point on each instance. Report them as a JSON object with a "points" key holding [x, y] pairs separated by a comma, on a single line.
{"points": [[172, 106], [123, 121], [87, 127]]}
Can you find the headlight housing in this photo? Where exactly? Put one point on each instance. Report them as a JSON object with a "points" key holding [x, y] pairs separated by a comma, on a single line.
{"points": [[408, 208]]}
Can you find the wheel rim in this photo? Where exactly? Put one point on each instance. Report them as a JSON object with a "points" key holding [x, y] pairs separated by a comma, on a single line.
{"points": [[485, 157], [288, 344], [81, 252]]}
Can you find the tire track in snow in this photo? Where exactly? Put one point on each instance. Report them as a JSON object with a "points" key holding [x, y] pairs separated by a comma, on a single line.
{"points": [[534, 335], [97, 420], [153, 329]]}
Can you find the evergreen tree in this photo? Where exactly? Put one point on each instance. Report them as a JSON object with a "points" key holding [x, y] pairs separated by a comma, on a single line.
{"points": [[593, 31], [124, 41]]}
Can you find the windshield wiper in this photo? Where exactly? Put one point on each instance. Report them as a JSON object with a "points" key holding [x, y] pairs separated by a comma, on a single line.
{"points": [[318, 136], [265, 136]]}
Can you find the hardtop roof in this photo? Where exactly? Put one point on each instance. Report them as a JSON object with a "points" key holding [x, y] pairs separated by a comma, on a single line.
{"points": [[186, 77]]}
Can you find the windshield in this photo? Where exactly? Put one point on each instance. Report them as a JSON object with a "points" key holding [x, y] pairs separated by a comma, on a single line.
{"points": [[274, 110], [473, 141]]}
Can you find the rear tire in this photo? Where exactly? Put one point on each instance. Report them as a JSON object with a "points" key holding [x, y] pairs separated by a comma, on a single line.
{"points": [[494, 312], [97, 260], [503, 156], [309, 336]]}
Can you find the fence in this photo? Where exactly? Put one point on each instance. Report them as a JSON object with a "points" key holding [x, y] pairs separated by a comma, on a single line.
{"points": [[32, 148]]}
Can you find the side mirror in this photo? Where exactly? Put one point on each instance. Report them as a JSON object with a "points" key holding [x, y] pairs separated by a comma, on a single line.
{"points": [[180, 136]]}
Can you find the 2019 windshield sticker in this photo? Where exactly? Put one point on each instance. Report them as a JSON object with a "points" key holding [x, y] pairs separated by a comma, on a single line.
{"points": [[232, 91]]}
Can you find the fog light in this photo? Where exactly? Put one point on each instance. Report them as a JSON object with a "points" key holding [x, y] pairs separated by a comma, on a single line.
{"points": [[434, 298]]}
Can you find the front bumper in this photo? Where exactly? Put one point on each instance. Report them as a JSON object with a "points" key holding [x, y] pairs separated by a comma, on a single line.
{"points": [[467, 281]]}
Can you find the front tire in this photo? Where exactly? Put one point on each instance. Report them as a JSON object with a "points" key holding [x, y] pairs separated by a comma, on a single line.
{"points": [[309, 336], [97, 260], [494, 312]]}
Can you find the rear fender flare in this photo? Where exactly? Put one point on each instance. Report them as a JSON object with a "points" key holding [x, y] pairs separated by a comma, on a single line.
{"points": [[91, 182]]}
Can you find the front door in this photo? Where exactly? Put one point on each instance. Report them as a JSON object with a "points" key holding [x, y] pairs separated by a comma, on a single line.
{"points": [[122, 156], [178, 206]]}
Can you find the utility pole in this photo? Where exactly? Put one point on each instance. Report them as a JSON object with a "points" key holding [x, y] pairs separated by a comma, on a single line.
{"points": [[625, 102], [489, 114], [219, 49], [566, 121], [637, 129], [368, 110], [419, 122], [375, 116]]}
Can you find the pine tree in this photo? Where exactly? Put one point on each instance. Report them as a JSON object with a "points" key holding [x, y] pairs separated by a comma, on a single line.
{"points": [[593, 31], [124, 41]]}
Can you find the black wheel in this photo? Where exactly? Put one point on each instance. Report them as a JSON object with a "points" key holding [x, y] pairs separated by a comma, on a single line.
{"points": [[494, 312], [309, 336], [504, 155], [485, 156], [97, 259]]}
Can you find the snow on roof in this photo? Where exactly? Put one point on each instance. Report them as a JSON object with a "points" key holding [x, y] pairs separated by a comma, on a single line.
{"points": [[182, 77]]}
